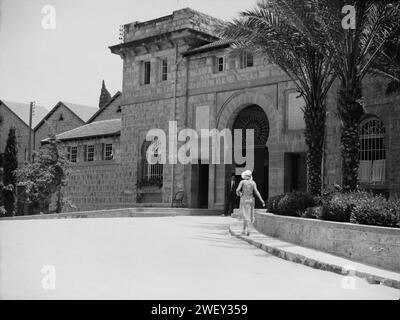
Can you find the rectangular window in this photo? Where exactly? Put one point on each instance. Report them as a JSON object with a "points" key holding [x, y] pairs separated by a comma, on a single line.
{"points": [[220, 67], [1, 159], [89, 153], [146, 72], [247, 60], [164, 70], [74, 154], [107, 151]]}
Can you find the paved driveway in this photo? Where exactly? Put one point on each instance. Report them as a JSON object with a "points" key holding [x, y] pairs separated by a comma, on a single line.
{"points": [[155, 258]]}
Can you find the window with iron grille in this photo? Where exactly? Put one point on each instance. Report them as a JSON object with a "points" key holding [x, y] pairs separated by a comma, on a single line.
{"points": [[73, 154], [372, 152], [151, 173]]}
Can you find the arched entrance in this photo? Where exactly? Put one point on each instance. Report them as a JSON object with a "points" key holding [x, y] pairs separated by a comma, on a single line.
{"points": [[254, 117]]}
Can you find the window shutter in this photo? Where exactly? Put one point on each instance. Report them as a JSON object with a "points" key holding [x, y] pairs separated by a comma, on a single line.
{"points": [[102, 151], [85, 153]]}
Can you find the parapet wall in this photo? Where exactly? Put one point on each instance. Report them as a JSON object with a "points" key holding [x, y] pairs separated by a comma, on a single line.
{"points": [[180, 19], [376, 246]]}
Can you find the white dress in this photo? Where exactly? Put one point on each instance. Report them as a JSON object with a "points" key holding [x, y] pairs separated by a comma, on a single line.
{"points": [[247, 200]]}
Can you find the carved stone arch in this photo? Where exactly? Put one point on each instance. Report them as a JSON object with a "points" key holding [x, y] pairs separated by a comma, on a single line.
{"points": [[240, 100]]}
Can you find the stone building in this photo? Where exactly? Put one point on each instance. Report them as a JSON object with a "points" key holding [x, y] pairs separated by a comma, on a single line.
{"points": [[176, 69], [112, 110], [16, 115], [63, 117]]}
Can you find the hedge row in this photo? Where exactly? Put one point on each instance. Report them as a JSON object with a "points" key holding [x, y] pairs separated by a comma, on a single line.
{"points": [[355, 207]]}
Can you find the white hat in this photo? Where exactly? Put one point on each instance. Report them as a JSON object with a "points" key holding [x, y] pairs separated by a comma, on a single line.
{"points": [[246, 174]]}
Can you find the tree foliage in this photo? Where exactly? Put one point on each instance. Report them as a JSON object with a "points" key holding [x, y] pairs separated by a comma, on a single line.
{"points": [[10, 164], [45, 176], [286, 32], [354, 52]]}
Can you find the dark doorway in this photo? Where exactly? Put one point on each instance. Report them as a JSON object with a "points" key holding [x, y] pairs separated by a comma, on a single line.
{"points": [[295, 172], [254, 117], [260, 173], [203, 185]]}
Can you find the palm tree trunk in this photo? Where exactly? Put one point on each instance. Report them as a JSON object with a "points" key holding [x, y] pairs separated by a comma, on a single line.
{"points": [[350, 111], [314, 116]]}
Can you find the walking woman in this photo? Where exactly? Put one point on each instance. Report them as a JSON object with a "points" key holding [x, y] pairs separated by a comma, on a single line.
{"points": [[246, 190]]}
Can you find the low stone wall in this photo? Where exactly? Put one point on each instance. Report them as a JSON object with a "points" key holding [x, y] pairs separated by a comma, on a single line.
{"points": [[376, 246], [138, 211]]}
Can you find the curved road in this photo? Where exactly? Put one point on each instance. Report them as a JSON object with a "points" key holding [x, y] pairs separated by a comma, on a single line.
{"points": [[154, 258]]}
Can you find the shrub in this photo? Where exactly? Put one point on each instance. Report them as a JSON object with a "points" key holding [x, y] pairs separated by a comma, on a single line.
{"points": [[272, 203], [376, 210], [338, 206], [2, 212], [293, 203], [312, 212]]}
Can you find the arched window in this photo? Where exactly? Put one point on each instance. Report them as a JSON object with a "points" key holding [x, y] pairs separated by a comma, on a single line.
{"points": [[151, 173], [372, 151]]}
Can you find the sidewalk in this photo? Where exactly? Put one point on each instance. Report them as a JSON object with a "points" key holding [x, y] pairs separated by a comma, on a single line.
{"points": [[316, 259]]}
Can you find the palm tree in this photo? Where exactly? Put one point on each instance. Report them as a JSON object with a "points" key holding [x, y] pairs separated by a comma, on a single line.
{"points": [[354, 51], [388, 65], [286, 32]]}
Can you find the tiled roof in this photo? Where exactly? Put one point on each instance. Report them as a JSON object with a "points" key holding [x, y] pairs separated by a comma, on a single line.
{"points": [[210, 46], [82, 111], [94, 129], [22, 111]]}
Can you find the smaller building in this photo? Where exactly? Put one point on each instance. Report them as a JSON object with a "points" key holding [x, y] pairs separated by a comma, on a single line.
{"points": [[94, 151], [16, 115], [63, 117]]}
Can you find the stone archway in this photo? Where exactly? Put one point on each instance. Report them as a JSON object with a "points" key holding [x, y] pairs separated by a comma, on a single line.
{"points": [[225, 119], [254, 117]]}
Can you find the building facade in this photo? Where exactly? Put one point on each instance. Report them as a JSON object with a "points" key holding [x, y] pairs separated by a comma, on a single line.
{"points": [[176, 70], [63, 117], [16, 115]]}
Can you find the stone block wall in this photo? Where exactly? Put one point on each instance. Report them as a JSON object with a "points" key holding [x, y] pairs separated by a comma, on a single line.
{"points": [[180, 19], [96, 184], [377, 246], [377, 103]]}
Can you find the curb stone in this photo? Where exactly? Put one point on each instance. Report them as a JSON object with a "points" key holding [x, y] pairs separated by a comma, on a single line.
{"points": [[309, 262]]}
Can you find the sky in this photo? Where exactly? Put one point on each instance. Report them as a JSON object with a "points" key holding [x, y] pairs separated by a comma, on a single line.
{"points": [[69, 62]]}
